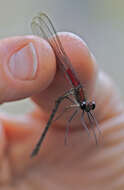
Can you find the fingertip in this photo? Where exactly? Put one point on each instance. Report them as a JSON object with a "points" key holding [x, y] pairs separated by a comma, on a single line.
{"points": [[46, 61], [27, 66]]}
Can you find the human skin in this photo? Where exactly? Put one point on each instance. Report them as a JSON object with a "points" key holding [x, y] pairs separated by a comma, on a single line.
{"points": [[81, 164]]}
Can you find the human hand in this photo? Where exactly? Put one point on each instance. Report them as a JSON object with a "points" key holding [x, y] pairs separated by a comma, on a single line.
{"points": [[80, 164]]}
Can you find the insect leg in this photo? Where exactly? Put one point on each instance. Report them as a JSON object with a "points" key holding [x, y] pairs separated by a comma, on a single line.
{"points": [[96, 123], [84, 124], [92, 127], [70, 99], [69, 121], [65, 110]]}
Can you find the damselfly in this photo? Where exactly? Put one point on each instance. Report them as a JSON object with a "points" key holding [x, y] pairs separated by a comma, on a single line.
{"points": [[42, 26]]}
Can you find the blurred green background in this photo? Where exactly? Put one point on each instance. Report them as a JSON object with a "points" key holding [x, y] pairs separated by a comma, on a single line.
{"points": [[99, 22]]}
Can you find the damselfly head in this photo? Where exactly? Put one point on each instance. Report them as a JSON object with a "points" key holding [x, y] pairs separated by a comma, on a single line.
{"points": [[88, 106]]}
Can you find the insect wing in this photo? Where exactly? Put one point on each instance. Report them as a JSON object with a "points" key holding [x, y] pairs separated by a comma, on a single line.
{"points": [[42, 26]]}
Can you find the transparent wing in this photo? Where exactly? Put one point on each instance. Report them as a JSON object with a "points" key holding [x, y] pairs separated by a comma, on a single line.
{"points": [[42, 26]]}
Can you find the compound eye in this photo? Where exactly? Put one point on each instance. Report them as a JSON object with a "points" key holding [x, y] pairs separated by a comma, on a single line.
{"points": [[83, 105], [93, 105]]}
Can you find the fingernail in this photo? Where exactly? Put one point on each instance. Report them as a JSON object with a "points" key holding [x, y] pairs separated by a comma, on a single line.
{"points": [[23, 64]]}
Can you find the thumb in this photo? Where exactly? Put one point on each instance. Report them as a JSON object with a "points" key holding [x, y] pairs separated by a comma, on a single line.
{"points": [[96, 84], [27, 65]]}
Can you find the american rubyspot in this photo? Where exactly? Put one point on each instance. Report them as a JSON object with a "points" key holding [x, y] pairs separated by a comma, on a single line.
{"points": [[42, 26]]}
